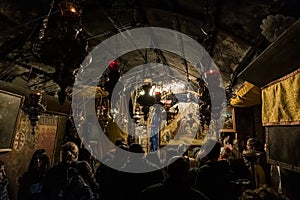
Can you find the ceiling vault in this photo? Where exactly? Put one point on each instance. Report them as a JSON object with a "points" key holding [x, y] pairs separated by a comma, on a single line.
{"points": [[233, 33]]}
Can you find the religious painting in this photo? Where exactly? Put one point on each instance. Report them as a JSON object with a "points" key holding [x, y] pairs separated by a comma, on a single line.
{"points": [[228, 119], [10, 105], [185, 127], [46, 134]]}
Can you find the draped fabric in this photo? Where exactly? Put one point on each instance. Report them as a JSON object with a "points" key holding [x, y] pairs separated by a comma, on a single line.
{"points": [[115, 132], [247, 95], [281, 101]]}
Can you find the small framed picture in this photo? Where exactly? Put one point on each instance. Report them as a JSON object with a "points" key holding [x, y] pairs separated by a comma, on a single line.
{"points": [[228, 118]]}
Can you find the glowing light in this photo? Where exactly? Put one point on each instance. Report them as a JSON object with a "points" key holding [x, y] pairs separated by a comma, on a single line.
{"points": [[114, 65], [142, 92], [72, 9]]}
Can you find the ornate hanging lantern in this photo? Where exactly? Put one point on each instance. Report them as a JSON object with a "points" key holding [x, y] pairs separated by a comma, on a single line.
{"points": [[35, 108], [62, 43]]}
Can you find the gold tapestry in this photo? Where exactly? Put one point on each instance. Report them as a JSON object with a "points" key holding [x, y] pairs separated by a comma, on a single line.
{"points": [[247, 95], [281, 101]]}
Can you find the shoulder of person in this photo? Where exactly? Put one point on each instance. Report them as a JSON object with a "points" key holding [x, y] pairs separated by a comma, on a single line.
{"points": [[81, 162], [152, 188], [24, 177], [82, 166], [206, 169], [206, 166], [199, 195], [56, 170], [193, 169], [4, 182], [152, 192]]}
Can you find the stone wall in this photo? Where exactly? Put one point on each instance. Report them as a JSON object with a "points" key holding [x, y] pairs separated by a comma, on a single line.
{"points": [[49, 135]]}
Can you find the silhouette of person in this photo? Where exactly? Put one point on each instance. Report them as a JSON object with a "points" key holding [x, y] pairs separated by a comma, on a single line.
{"points": [[31, 181]]}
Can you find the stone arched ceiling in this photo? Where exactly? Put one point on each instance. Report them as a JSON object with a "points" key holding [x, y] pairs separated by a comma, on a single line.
{"points": [[229, 30]]}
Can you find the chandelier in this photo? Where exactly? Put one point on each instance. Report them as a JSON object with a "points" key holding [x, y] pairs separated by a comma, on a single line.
{"points": [[62, 43]]}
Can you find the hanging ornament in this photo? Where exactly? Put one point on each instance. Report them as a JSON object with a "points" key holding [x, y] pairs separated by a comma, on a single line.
{"points": [[114, 65]]}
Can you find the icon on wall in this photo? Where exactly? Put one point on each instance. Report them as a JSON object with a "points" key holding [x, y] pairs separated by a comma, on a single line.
{"points": [[10, 105]]}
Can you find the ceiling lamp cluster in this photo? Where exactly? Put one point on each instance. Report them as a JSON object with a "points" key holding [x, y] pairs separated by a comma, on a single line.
{"points": [[62, 43]]}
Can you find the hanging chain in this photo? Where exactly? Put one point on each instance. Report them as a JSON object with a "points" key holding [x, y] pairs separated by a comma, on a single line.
{"points": [[45, 22]]}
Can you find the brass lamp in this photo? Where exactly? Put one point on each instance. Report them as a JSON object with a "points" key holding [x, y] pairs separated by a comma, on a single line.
{"points": [[36, 107], [69, 9]]}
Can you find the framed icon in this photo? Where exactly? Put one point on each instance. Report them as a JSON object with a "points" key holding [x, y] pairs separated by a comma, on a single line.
{"points": [[228, 119], [10, 105]]}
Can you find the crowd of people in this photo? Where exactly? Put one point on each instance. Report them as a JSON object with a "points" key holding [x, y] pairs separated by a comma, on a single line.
{"points": [[223, 173]]}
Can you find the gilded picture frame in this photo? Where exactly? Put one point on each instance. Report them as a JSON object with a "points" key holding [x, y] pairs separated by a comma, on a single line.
{"points": [[10, 105], [228, 119]]}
